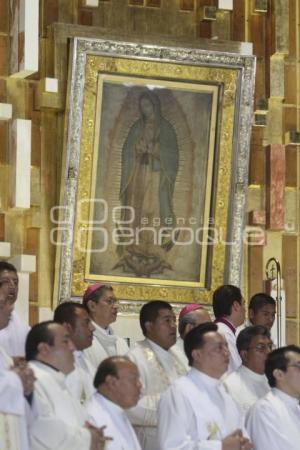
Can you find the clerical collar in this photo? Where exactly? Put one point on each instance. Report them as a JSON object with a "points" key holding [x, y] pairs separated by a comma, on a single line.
{"points": [[110, 404], [46, 364], [157, 347], [260, 377], [201, 378], [108, 330], [286, 398], [226, 322]]}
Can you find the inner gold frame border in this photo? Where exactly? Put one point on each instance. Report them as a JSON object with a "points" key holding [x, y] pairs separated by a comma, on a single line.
{"points": [[93, 109], [235, 73]]}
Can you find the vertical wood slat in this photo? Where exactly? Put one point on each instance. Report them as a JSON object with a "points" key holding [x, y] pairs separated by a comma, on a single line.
{"points": [[2, 227], [275, 182], [32, 248], [289, 273], [255, 270], [257, 157], [4, 16], [238, 20], [291, 332]]}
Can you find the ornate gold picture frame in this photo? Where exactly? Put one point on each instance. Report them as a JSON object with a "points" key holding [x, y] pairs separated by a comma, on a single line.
{"points": [[156, 167]]}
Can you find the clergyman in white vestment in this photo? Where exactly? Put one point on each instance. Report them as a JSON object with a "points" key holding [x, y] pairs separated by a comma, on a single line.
{"points": [[75, 319], [102, 306], [196, 412], [61, 419], [274, 421], [190, 316], [249, 383], [118, 387], [15, 383], [13, 330], [229, 311], [158, 367]]}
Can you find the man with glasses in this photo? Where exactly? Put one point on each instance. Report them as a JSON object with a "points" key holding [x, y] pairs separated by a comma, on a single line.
{"points": [[13, 330], [158, 366], [196, 412], [274, 421], [101, 304], [248, 383]]}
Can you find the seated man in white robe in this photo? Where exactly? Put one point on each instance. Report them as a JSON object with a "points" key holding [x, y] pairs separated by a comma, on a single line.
{"points": [[229, 311], [60, 421], [196, 412], [158, 366], [102, 307], [118, 385], [274, 421], [189, 317], [249, 383], [13, 330], [75, 319]]}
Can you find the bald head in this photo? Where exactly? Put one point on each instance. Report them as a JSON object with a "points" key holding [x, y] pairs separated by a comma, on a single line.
{"points": [[117, 378]]}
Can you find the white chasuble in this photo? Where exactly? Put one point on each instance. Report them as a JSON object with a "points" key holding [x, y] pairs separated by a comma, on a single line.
{"points": [[13, 337], [246, 387], [13, 423], [196, 413], [105, 344], [60, 419], [101, 411], [274, 422], [157, 368]]}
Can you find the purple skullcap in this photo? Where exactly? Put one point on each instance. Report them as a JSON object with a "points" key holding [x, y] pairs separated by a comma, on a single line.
{"points": [[189, 308], [91, 289]]}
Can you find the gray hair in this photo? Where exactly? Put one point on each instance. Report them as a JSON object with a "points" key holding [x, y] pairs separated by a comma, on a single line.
{"points": [[188, 318]]}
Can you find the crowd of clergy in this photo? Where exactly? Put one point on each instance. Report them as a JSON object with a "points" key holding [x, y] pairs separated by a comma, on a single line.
{"points": [[71, 384]]}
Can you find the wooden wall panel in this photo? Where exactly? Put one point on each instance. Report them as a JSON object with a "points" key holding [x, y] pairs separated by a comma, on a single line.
{"points": [[291, 332], [4, 142], [275, 182], [255, 270], [2, 227], [4, 51], [291, 166], [4, 16], [290, 73], [257, 157], [289, 272], [293, 28], [238, 20]]}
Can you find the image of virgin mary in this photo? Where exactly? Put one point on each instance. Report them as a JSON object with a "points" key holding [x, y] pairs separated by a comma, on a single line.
{"points": [[149, 169]]}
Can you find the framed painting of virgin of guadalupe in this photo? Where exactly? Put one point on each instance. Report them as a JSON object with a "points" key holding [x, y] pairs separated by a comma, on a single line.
{"points": [[155, 157]]}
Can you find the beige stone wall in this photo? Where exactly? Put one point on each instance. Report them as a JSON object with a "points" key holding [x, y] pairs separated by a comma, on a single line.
{"points": [[272, 26]]}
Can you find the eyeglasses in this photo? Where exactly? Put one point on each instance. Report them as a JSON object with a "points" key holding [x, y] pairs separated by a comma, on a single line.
{"points": [[296, 364], [111, 301], [262, 347]]}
